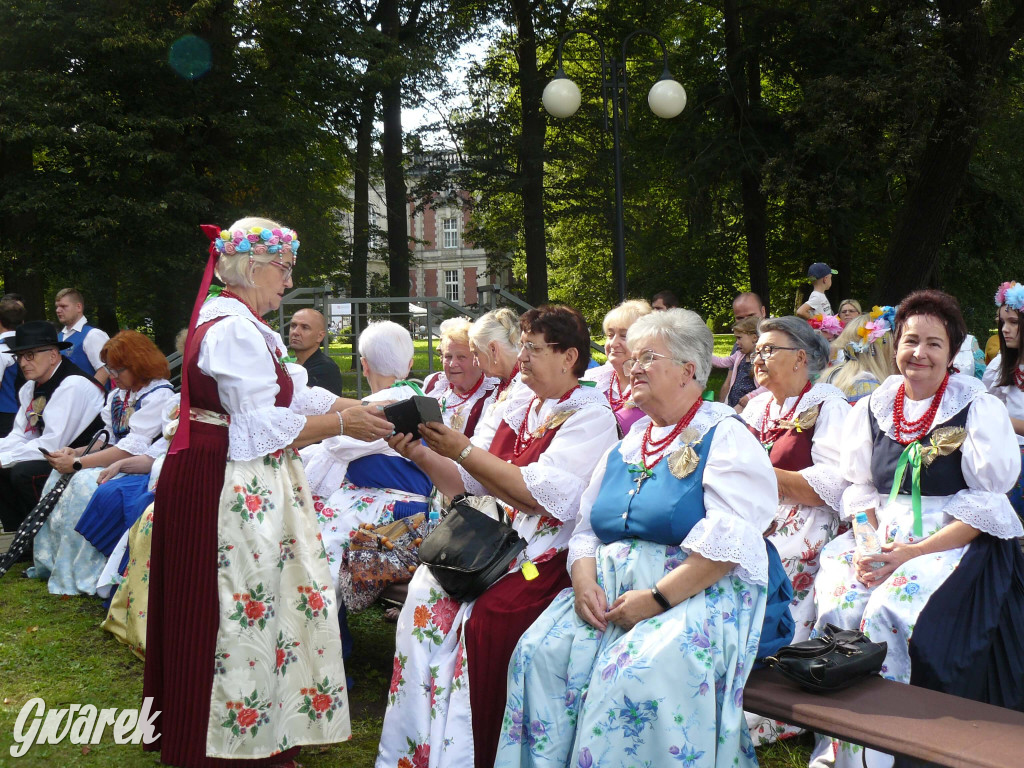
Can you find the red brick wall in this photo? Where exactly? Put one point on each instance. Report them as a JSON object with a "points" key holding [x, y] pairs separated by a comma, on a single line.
{"points": [[469, 281], [430, 279]]}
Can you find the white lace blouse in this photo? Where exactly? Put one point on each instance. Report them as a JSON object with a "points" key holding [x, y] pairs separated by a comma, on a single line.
{"points": [[740, 493], [238, 353], [145, 425], [990, 457], [1011, 395]]}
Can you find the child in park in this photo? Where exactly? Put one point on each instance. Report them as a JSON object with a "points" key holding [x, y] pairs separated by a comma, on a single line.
{"points": [[817, 303], [739, 385]]}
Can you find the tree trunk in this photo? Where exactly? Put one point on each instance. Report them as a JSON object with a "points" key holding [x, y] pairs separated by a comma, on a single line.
{"points": [[19, 275], [395, 193], [361, 209], [744, 81], [531, 156]]}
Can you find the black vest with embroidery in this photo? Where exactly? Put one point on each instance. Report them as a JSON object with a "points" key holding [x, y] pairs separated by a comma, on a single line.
{"points": [[65, 370], [942, 477]]}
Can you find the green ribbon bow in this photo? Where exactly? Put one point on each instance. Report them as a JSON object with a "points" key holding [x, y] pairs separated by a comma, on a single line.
{"points": [[911, 455], [407, 383]]}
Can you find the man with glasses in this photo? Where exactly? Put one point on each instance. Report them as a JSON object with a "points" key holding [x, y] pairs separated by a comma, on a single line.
{"points": [[58, 406], [84, 341]]}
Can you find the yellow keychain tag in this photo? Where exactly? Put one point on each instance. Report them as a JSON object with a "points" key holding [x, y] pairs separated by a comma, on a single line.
{"points": [[529, 570]]}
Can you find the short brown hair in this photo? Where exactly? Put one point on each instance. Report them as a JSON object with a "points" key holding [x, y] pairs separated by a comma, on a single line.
{"points": [[562, 327], [12, 313], [748, 326], [134, 351], [938, 304]]}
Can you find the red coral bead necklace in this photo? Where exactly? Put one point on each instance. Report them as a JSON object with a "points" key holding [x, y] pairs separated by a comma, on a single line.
{"points": [[904, 431]]}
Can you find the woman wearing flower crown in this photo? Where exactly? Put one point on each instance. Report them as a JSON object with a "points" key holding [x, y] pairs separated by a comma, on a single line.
{"points": [[930, 457], [1004, 376], [867, 350], [243, 655]]}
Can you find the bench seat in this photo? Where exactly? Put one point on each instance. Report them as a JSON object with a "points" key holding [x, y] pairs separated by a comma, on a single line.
{"points": [[896, 718]]}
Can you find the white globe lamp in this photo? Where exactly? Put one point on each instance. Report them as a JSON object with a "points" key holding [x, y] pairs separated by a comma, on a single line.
{"points": [[561, 97], [667, 98]]}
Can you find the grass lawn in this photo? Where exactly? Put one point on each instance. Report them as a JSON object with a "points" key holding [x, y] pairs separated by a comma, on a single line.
{"points": [[52, 647]]}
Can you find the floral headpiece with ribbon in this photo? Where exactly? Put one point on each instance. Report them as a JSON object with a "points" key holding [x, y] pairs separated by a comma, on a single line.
{"points": [[882, 321], [1011, 294], [830, 325], [257, 242]]}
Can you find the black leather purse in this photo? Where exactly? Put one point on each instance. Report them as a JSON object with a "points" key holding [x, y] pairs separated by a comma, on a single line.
{"points": [[469, 550], [836, 659]]}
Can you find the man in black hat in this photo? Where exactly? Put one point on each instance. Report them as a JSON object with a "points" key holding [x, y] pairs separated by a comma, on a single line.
{"points": [[58, 406]]}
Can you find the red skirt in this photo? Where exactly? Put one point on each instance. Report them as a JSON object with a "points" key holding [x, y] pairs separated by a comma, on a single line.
{"points": [[181, 634], [500, 617]]}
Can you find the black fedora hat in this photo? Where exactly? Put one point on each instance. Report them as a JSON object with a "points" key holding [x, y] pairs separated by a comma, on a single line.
{"points": [[35, 334]]}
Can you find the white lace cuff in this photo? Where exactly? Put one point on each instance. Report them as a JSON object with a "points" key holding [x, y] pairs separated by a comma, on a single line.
{"points": [[473, 487], [311, 401], [158, 448], [582, 545], [827, 481], [989, 512], [134, 444], [858, 496], [252, 434], [556, 490], [323, 473], [725, 537]]}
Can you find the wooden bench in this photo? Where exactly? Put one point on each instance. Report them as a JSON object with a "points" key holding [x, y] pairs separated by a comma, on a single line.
{"points": [[898, 719]]}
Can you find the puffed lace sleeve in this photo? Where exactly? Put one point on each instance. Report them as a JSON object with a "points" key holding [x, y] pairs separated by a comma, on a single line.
{"points": [[146, 424], [991, 375], [235, 355], [991, 466], [561, 474], [584, 542], [855, 455], [307, 400], [740, 499], [824, 475]]}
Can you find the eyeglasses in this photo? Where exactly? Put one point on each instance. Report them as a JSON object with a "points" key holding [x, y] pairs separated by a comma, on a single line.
{"points": [[644, 361], [285, 268], [115, 372], [29, 356], [768, 351], [532, 348]]}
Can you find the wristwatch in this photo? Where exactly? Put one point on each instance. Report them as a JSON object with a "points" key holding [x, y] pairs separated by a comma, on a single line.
{"points": [[76, 464]]}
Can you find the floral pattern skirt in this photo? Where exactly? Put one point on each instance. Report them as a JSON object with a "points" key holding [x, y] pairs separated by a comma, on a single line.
{"points": [[69, 563], [670, 689], [126, 618], [888, 611]]}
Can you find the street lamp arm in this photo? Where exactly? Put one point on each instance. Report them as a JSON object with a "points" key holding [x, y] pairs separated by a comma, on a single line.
{"points": [[560, 71]]}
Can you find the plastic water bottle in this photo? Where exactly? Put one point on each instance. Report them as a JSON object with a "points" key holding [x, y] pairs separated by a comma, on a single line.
{"points": [[867, 540]]}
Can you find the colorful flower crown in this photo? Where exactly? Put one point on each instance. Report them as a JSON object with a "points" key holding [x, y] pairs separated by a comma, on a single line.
{"points": [[830, 325], [882, 321], [257, 242], [1011, 294]]}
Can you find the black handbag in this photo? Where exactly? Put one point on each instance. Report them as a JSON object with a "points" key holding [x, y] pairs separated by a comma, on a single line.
{"points": [[834, 660], [469, 550]]}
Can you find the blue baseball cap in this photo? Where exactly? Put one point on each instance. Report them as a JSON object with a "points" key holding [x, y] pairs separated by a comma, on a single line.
{"points": [[819, 269]]}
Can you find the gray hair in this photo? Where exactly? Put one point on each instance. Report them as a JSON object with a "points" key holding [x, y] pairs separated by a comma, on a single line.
{"points": [[388, 348], [237, 269], [500, 325], [803, 336], [687, 337]]}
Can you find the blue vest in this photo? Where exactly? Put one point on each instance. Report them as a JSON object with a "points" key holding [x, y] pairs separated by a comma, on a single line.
{"points": [[76, 352], [380, 471], [9, 390], [665, 510]]}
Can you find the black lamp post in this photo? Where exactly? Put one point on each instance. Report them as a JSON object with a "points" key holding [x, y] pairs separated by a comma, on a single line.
{"points": [[667, 98]]}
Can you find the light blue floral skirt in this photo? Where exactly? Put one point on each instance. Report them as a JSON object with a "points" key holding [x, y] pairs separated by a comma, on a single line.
{"points": [[667, 692]]}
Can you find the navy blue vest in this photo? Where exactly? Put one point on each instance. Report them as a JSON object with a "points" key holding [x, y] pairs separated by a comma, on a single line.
{"points": [[943, 477], [76, 352], [380, 471], [9, 390]]}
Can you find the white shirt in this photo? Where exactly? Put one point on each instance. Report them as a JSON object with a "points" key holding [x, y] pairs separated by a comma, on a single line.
{"points": [[1011, 396], [69, 410], [238, 354], [92, 344], [145, 425], [819, 303]]}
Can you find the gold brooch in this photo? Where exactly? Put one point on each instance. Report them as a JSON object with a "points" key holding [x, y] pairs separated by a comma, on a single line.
{"points": [[944, 441], [803, 421]]}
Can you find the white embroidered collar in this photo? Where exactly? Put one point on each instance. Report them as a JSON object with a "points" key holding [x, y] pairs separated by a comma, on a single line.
{"points": [[222, 306], [960, 392], [581, 397], [442, 387], [601, 375], [709, 415], [817, 394]]}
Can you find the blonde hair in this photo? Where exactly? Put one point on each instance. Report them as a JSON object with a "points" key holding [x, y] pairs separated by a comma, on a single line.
{"points": [[237, 269], [455, 329], [625, 314], [876, 358], [500, 325], [852, 302], [748, 326]]}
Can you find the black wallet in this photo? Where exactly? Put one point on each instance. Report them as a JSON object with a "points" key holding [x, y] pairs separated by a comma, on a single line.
{"points": [[409, 414]]}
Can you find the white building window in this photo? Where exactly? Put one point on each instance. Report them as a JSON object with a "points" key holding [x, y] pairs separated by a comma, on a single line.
{"points": [[451, 285], [450, 230], [376, 234]]}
